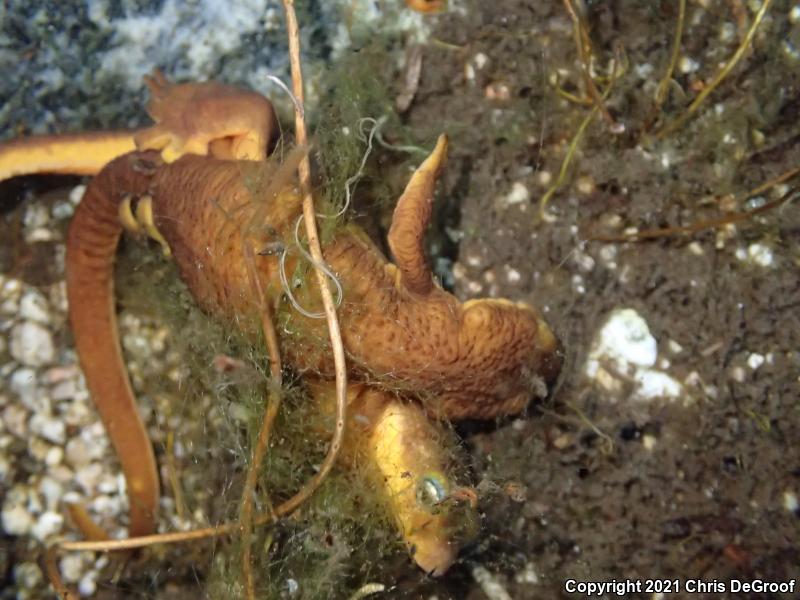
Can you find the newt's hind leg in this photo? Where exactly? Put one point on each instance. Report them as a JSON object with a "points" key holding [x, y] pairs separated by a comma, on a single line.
{"points": [[193, 118]]}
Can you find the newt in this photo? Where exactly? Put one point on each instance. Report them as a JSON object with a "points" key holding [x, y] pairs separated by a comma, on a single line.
{"points": [[203, 191]]}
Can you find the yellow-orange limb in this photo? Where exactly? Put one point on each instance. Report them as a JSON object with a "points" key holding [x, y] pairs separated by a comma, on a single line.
{"points": [[68, 154]]}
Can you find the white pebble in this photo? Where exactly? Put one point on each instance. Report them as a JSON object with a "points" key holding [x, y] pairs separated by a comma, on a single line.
{"points": [[54, 456], [33, 306], [626, 339], [489, 584], [674, 347], [52, 491], [88, 584], [527, 575], [15, 418], [32, 344], [519, 193], [23, 384], [78, 455], [688, 65], [76, 194], [790, 502], [513, 276], [49, 427], [106, 506], [48, 524], [625, 343], [755, 360], [64, 391], [738, 374], [36, 215], [73, 565], [38, 448], [16, 520], [474, 287], [27, 575], [88, 477], [696, 249], [63, 474], [62, 210], [760, 255], [41, 234]]}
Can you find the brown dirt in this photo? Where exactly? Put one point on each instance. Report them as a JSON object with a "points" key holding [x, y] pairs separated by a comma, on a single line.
{"points": [[689, 488], [706, 502]]}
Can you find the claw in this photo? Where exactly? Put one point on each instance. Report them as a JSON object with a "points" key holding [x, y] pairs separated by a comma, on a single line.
{"points": [[127, 218], [144, 216]]}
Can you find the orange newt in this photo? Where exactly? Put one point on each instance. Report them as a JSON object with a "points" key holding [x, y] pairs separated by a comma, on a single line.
{"points": [[480, 359]]}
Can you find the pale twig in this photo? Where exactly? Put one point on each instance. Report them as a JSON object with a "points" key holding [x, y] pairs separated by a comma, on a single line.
{"points": [[172, 475], [562, 173], [337, 347], [367, 590]]}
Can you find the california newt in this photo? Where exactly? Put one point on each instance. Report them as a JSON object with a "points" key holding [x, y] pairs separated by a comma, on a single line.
{"points": [[404, 335]]}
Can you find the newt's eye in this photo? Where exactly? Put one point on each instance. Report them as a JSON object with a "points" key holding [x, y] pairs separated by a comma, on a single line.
{"points": [[431, 490]]}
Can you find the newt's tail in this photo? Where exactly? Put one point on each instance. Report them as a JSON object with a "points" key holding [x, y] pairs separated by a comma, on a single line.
{"points": [[68, 154], [91, 247]]}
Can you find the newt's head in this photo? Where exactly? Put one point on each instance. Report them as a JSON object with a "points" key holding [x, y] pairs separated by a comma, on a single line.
{"points": [[412, 475]]}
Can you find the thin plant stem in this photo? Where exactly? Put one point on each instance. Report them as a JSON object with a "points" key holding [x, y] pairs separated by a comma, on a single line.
{"points": [[270, 413], [737, 217], [721, 74], [337, 347], [51, 568], [584, 46], [661, 92]]}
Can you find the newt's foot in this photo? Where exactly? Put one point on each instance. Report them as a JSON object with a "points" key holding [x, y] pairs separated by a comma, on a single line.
{"points": [[209, 119], [136, 216]]}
